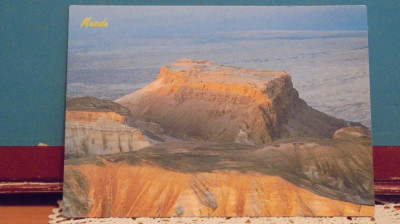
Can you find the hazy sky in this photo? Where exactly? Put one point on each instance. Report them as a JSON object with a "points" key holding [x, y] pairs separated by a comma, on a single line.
{"points": [[158, 21]]}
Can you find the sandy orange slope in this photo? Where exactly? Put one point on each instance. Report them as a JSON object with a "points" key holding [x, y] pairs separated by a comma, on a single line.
{"points": [[122, 190]]}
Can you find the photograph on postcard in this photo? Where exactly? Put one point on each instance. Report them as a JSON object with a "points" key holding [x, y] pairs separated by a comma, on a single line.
{"points": [[218, 111]]}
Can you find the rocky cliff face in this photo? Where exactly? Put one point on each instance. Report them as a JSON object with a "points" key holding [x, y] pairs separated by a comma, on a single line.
{"points": [[99, 127], [156, 192], [227, 142], [204, 100], [322, 177]]}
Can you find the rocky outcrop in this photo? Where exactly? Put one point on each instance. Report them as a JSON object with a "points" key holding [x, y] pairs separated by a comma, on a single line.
{"points": [[99, 127], [351, 133], [102, 137], [123, 190], [227, 142], [92, 116], [204, 100], [88, 103], [339, 170]]}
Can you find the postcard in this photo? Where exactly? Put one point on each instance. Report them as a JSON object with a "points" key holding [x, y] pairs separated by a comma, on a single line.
{"points": [[218, 111]]}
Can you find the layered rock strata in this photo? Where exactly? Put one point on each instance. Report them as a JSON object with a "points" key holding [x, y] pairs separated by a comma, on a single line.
{"points": [[99, 127], [89, 103], [157, 192], [209, 101], [228, 142], [322, 177]]}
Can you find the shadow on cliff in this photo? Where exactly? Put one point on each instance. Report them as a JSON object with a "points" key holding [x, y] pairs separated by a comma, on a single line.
{"points": [[203, 117]]}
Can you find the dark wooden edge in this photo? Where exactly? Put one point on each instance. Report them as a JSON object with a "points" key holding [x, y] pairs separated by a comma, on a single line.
{"points": [[382, 187], [30, 187], [36, 169], [387, 170], [387, 186]]}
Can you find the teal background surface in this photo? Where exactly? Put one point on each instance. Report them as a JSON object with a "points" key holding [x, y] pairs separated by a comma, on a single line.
{"points": [[33, 49]]}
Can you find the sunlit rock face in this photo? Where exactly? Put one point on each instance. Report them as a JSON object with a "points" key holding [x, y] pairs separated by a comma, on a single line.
{"points": [[209, 101], [99, 127], [155, 192], [225, 141]]}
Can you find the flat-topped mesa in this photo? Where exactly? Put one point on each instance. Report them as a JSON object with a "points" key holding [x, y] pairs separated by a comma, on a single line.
{"points": [[214, 102]]}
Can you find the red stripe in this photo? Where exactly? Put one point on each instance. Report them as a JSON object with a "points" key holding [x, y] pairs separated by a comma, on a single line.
{"points": [[45, 164], [31, 163], [386, 162]]}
